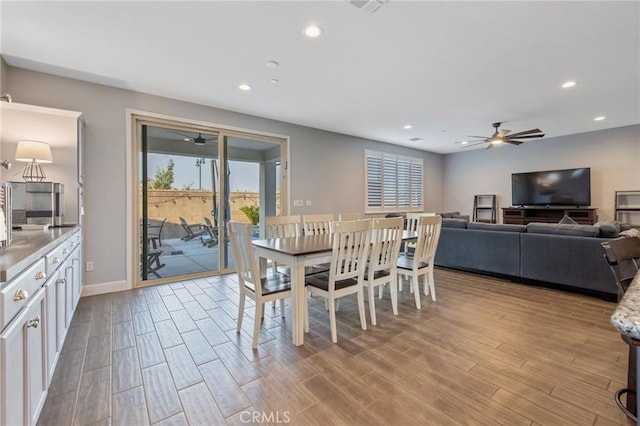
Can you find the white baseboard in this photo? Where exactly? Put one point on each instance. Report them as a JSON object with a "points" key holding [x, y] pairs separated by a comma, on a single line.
{"points": [[93, 289]]}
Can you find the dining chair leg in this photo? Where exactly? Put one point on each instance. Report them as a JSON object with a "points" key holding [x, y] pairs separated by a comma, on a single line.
{"points": [[432, 284], [415, 285], [372, 303], [256, 323], [240, 312], [363, 318], [281, 307], [262, 314], [380, 291], [332, 320], [393, 288]]}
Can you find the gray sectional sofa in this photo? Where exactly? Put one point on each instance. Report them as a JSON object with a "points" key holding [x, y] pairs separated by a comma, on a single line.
{"points": [[562, 256]]}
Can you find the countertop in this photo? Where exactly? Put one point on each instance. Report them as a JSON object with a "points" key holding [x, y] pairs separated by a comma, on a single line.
{"points": [[626, 317], [27, 247]]}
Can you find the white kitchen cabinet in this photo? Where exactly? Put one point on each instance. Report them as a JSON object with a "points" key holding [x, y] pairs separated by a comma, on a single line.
{"points": [[51, 298], [23, 364]]}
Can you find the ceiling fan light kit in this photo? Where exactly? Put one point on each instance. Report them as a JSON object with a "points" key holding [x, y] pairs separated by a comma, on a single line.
{"points": [[501, 136]]}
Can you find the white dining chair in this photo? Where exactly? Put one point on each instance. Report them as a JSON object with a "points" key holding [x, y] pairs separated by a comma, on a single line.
{"points": [[316, 224], [282, 227], [350, 248], [261, 290], [421, 263], [386, 239], [350, 216]]}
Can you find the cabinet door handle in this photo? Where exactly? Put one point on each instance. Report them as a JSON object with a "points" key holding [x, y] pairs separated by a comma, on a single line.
{"points": [[40, 275], [34, 322], [55, 260], [65, 251], [20, 295]]}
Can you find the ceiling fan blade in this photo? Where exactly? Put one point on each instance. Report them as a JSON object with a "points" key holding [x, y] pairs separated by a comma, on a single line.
{"points": [[525, 137], [490, 146], [479, 137], [475, 144], [503, 132], [526, 132], [470, 141], [180, 134], [512, 142]]}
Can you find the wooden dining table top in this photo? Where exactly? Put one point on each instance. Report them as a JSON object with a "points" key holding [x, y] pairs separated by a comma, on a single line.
{"points": [[308, 244]]}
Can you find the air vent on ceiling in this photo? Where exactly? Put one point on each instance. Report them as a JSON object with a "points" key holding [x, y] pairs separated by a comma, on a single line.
{"points": [[416, 139], [368, 6]]}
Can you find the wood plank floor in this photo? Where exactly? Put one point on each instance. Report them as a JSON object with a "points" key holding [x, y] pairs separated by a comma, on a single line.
{"points": [[487, 352]]}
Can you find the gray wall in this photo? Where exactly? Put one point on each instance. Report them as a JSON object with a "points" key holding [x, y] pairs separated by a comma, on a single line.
{"points": [[613, 156], [3, 76], [327, 168]]}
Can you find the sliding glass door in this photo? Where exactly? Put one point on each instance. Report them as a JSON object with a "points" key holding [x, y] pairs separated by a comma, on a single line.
{"points": [[191, 182]]}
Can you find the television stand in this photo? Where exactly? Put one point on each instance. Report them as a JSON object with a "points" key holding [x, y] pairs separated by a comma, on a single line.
{"points": [[548, 214]]}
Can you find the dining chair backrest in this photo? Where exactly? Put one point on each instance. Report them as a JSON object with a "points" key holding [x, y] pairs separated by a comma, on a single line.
{"points": [[350, 216], [386, 239], [412, 220], [317, 224], [243, 255], [350, 248], [428, 237], [283, 226], [623, 257]]}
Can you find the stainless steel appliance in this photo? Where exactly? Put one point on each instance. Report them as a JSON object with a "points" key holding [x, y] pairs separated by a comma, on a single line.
{"points": [[35, 203]]}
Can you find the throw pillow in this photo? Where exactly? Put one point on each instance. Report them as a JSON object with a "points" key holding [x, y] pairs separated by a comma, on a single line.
{"points": [[630, 233], [566, 220], [608, 229]]}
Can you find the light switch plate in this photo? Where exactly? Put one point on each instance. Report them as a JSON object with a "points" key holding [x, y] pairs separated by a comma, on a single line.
{"points": [[298, 203]]}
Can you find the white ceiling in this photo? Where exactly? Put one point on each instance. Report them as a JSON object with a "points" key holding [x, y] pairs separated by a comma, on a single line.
{"points": [[448, 68]]}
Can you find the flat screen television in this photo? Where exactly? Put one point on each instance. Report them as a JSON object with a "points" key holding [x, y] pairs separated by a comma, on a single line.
{"points": [[569, 187]]}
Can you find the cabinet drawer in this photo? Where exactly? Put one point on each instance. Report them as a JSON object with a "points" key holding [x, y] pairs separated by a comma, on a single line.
{"points": [[16, 294], [56, 256]]}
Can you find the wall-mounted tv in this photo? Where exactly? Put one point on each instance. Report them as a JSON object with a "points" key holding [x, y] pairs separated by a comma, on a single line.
{"points": [[570, 187]]}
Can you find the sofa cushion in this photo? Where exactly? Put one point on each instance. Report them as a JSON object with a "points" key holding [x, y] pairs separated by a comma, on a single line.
{"points": [[608, 229], [453, 223], [560, 229], [497, 227], [449, 215], [464, 217], [566, 220]]}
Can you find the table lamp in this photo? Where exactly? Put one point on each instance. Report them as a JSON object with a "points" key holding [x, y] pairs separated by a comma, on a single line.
{"points": [[33, 153]]}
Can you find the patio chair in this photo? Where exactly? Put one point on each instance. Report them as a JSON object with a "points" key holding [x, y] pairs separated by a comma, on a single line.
{"points": [[189, 229], [154, 233], [210, 237]]}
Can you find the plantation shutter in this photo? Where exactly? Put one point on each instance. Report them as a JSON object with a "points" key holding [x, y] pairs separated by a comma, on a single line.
{"points": [[393, 183]]}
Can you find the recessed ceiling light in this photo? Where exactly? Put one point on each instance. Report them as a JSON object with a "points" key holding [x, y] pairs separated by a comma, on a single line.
{"points": [[599, 118], [272, 64], [313, 31], [407, 126], [273, 81], [568, 84], [244, 86]]}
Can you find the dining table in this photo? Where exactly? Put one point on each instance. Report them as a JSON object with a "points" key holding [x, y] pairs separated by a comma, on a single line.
{"points": [[298, 253]]}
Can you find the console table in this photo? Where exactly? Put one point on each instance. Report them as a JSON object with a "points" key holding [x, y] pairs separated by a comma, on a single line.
{"points": [[524, 215]]}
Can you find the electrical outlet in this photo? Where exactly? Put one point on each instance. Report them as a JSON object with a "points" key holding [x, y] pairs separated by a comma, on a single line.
{"points": [[89, 267], [298, 203]]}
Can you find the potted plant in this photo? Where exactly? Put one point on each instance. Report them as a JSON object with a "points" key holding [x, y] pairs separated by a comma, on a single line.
{"points": [[253, 214]]}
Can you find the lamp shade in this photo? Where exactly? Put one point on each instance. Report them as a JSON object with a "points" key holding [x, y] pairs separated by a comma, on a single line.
{"points": [[34, 151]]}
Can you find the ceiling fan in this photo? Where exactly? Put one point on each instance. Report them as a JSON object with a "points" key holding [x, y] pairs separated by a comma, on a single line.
{"points": [[198, 140], [502, 136]]}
